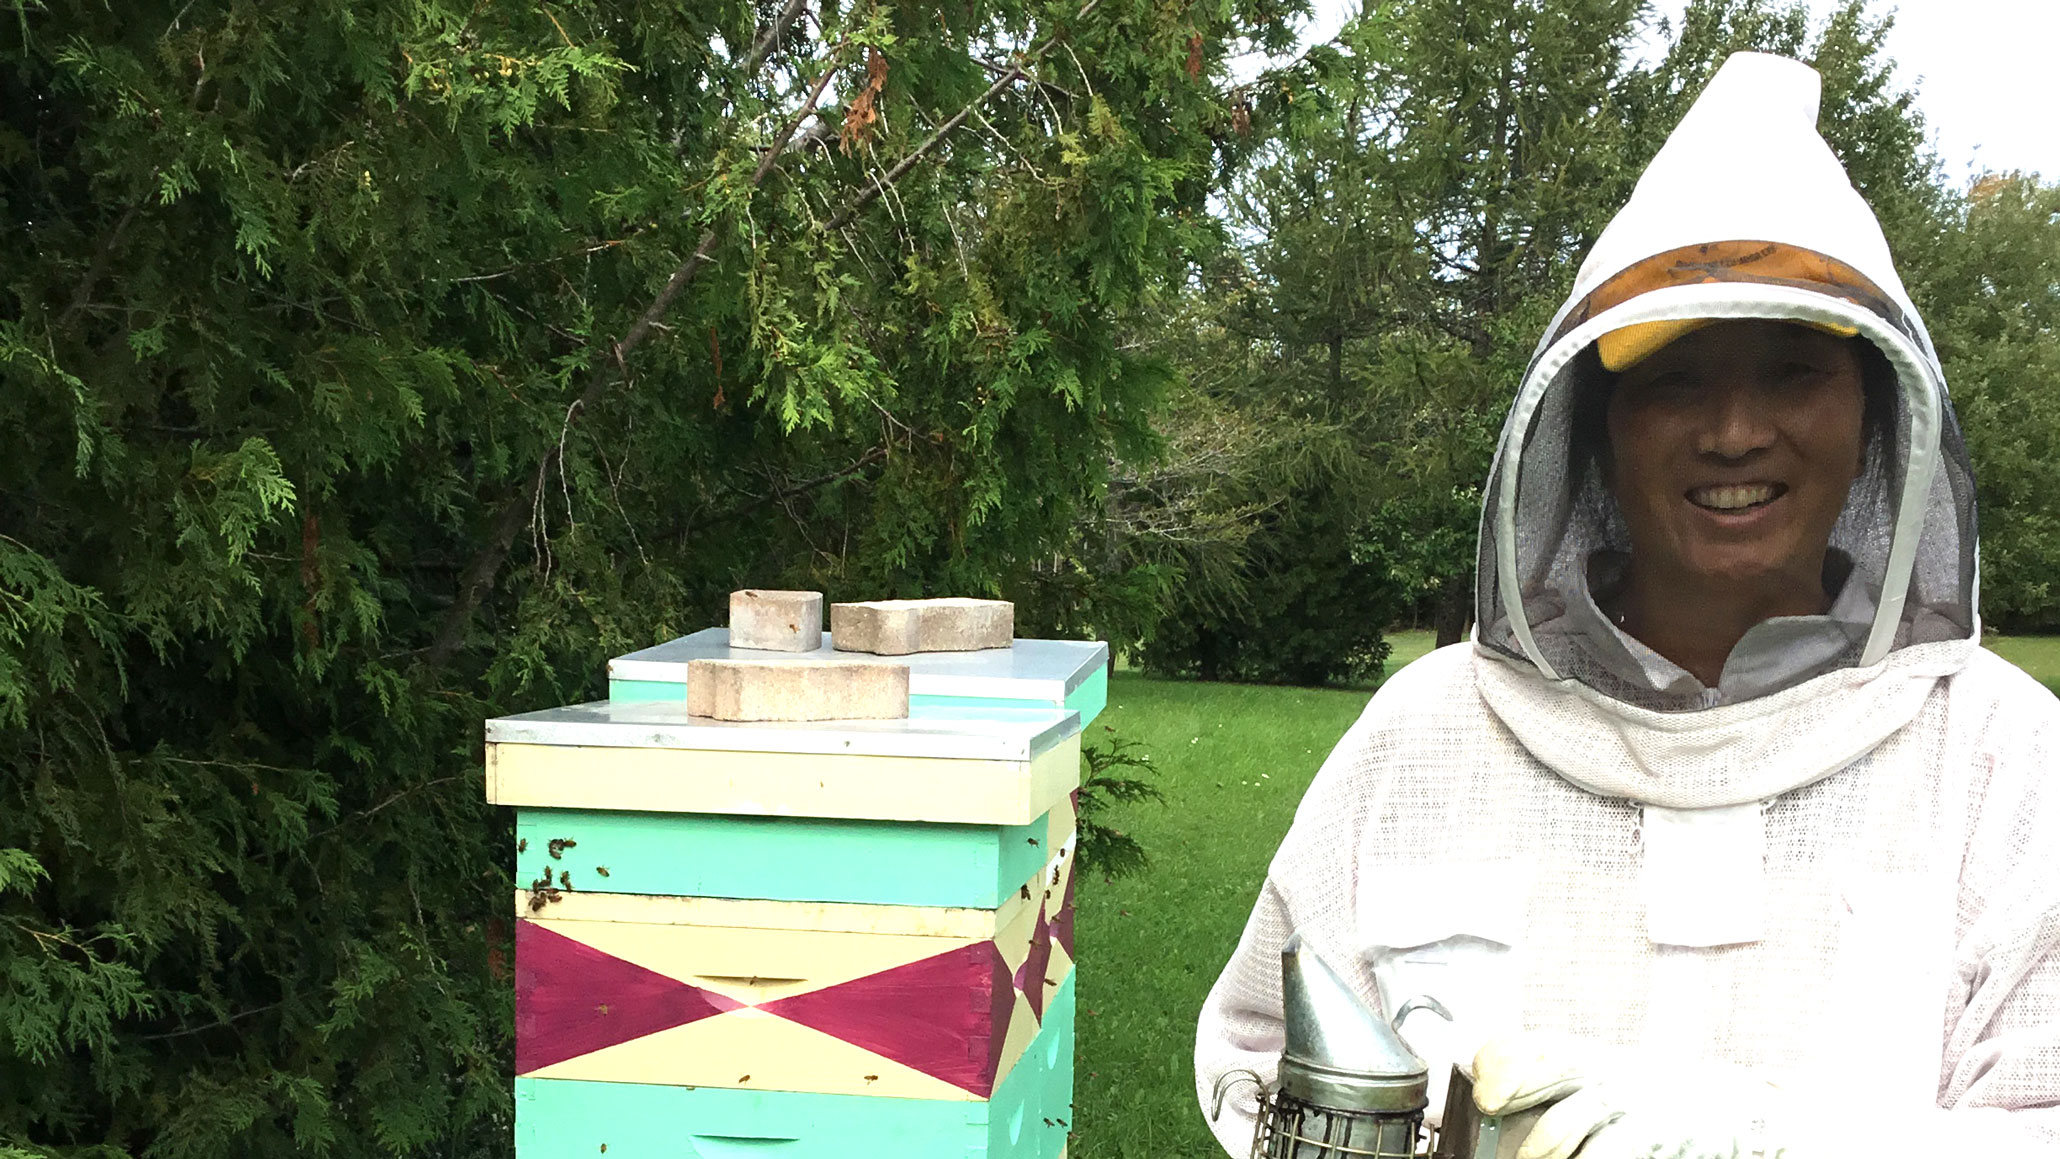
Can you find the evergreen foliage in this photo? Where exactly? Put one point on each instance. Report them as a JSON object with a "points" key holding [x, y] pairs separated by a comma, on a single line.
{"points": [[1990, 290], [1404, 234], [369, 368], [1111, 776], [1401, 242]]}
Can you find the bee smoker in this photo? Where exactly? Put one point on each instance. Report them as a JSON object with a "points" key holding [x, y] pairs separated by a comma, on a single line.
{"points": [[1465, 1133], [1349, 1087]]}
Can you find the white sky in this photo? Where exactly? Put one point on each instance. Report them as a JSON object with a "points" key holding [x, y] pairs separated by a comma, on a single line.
{"points": [[1984, 71]]}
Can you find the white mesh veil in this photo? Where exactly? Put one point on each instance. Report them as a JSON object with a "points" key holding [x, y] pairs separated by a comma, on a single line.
{"points": [[1544, 516], [1775, 230]]}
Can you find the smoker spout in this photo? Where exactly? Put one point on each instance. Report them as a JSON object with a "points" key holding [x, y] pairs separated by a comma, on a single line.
{"points": [[1339, 1053]]}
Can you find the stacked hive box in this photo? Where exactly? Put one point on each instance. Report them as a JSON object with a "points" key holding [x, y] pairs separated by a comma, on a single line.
{"points": [[837, 938]]}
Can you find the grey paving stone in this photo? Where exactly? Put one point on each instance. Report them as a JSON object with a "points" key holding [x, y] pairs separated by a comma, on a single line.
{"points": [[775, 620], [803, 688], [899, 627]]}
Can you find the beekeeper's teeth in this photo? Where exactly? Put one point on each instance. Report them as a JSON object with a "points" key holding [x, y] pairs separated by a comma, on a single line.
{"points": [[1731, 498]]}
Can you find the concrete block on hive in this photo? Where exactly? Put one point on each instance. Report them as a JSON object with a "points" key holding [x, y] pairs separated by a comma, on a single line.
{"points": [[775, 620], [901, 627], [796, 690]]}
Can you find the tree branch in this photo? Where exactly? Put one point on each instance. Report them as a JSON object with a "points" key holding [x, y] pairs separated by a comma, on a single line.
{"points": [[97, 269], [230, 1020], [994, 69], [485, 566], [694, 522], [780, 495], [763, 46], [361, 814], [1017, 72]]}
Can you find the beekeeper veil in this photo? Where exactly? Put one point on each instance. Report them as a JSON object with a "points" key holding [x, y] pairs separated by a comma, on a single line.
{"points": [[1744, 213]]}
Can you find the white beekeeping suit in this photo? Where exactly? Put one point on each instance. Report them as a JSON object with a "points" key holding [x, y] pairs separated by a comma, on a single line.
{"points": [[1838, 870]]}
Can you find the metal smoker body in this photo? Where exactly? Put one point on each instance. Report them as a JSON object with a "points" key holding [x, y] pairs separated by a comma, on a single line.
{"points": [[1349, 1087]]}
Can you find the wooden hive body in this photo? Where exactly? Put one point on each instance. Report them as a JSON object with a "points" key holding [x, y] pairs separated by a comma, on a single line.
{"points": [[847, 938]]}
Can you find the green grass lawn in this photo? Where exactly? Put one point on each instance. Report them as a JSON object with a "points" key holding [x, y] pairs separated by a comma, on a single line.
{"points": [[2038, 655], [1406, 646], [1233, 761]]}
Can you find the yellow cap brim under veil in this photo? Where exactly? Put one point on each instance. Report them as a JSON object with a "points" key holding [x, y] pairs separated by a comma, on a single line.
{"points": [[1625, 348]]}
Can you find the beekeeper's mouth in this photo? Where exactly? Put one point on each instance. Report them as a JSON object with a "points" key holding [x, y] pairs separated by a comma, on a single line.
{"points": [[1731, 498]]}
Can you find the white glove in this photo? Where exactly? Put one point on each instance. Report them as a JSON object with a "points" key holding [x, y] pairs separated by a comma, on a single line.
{"points": [[1618, 1104]]}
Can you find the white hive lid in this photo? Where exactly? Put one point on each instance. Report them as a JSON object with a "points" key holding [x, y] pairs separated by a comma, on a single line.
{"points": [[996, 735]]}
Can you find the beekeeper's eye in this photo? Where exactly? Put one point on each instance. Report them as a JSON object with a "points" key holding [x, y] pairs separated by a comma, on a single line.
{"points": [[1663, 383]]}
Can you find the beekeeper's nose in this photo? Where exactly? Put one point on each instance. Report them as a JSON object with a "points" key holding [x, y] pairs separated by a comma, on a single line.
{"points": [[1736, 417]]}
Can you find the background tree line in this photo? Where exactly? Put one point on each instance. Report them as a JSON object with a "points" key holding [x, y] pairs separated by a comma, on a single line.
{"points": [[370, 367], [1395, 247]]}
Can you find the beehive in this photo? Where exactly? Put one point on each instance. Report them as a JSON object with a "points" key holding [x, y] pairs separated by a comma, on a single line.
{"points": [[847, 937]]}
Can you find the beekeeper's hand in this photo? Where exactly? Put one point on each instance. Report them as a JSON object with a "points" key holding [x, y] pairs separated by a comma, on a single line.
{"points": [[1622, 1103]]}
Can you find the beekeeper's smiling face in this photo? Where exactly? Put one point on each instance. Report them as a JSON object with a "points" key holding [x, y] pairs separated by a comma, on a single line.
{"points": [[1732, 450]]}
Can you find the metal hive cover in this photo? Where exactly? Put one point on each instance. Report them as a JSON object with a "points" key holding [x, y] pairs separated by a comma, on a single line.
{"points": [[1030, 669]]}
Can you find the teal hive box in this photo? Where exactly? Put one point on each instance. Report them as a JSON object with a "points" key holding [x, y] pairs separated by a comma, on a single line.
{"points": [[846, 938], [1071, 674]]}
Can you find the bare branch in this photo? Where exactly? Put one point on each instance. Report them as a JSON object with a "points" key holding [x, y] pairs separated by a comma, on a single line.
{"points": [[763, 46], [993, 69], [783, 494], [363, 813], [584, 251], [228, 1021], [518, 509], [1015, 73], [83, 296]]}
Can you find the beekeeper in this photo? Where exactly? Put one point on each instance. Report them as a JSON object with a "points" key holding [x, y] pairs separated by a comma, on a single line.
{"points": [[1724, 831]]}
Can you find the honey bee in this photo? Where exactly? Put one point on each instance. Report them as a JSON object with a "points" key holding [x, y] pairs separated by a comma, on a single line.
{"points": [[601, 869]]}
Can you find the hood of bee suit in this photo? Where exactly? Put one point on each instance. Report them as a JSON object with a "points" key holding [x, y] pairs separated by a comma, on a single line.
{"points": [[1744, 213]]}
